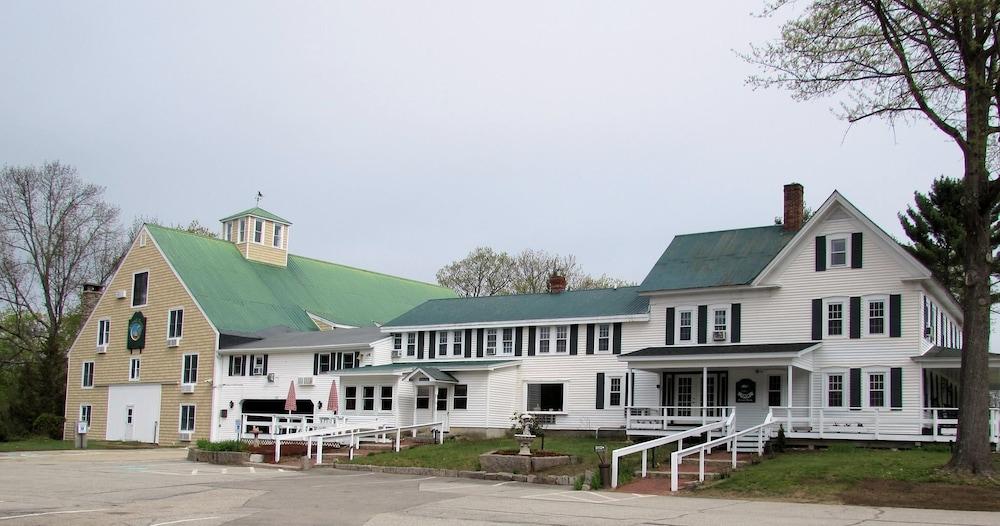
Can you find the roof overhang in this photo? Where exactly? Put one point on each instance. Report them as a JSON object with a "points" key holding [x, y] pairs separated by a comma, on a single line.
{"points": [[517, 323], [360, 347], [946, 358], [707, 290], [715, 356], [429, 375], [402, 369]]}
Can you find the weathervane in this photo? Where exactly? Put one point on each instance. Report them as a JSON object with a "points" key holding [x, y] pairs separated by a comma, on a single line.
{"points": [[259, 197]]}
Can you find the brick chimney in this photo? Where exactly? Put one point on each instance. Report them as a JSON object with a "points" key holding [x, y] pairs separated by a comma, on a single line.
{"points": [[557, 283], [794, 207], [88, 299]]}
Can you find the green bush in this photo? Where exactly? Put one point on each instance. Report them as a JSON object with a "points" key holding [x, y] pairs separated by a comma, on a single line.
{"points": [[49, 425], [224, 445]]}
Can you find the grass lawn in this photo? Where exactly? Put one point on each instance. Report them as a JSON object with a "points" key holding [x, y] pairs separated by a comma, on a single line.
{"points": [[463, 454], [910, 478], [48, 444]]}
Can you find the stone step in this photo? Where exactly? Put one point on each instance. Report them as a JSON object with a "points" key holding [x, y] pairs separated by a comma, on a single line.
{"points": [[686, 471]]}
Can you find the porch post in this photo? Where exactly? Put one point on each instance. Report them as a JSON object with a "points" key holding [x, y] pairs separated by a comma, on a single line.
{"points": [[789, 425], [704, 395]]}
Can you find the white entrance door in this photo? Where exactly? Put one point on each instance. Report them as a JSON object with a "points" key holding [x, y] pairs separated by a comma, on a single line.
{"points": [[134, 412], [441, 406], [687, 393]]}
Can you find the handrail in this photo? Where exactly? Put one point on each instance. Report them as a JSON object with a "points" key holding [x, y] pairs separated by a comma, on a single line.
{"points": [[649, 444], [676, 456]]}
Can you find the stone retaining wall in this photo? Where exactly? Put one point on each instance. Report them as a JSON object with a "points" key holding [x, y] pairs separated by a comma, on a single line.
{"points": [[561, 480], [226, 458], [520, 463]]}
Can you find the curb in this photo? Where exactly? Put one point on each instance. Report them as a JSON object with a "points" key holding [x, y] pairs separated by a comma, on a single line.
{"points": [[556, 480]]}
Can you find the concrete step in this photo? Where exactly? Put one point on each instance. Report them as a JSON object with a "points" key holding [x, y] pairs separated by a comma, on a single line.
{"points": [[685, 471]]}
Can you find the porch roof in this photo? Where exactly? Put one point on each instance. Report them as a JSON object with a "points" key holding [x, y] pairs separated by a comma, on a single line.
{"points": [[950, 355], [710, 352], [434, 374], [406, 367]]}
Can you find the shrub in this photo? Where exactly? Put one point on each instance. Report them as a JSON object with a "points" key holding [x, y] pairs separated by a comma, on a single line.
{"points": [[224, 445], [49, 425], [779, 442], [595, 480]]}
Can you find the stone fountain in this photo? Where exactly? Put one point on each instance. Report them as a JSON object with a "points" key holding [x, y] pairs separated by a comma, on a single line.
{"points": [[525, 437]]}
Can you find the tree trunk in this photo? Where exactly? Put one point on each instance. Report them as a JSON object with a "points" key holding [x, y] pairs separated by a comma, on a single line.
{"points": [[972, 451]]}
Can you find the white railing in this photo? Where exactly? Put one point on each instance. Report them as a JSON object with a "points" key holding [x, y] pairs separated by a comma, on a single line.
{"points": [[660, 418], [329, 432], [932, 424], [437, 427], [729, 441], [643, 447]]}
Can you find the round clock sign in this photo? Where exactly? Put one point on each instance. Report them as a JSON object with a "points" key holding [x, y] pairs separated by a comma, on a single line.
{"points": [[136, 331]]}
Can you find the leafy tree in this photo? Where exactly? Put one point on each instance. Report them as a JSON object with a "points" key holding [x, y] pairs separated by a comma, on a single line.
{"points": [[937, 60], [52, 229], [486, 272], [935, 228]]}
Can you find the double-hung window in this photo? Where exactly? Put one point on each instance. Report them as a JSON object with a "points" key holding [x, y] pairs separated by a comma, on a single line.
{"points": [[133, 369], [876, 388], [835, 318], [385, 398], [543, 340], [88, 375], [258, 231], [336, 361], [443, 343], [190, 374], [442, 399], [368, 398], [684, 325], [411, 344], [423, 397], [140, 288], [460, 397], [236, 365], [615, 391], [103, 333], [491, 341], [242, 230], [175, 323], [508, 341], [276, 238], [187, 417], [604, 337], [875, 312], [350, 398], [456, 343], [562, 338], [837, 251], [227, 231], [397, 342], [257, 367], [720, 324], [774, 391], [835, 390], [85, 412]]}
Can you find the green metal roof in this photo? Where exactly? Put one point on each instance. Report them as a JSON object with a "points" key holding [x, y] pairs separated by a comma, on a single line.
{"points": [[257, 212], [242, 296], [571, 304], [716, 259], [436, 374], [458, 365]]}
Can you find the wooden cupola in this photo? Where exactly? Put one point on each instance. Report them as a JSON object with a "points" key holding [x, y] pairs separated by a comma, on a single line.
{"points": [[259, 235]]}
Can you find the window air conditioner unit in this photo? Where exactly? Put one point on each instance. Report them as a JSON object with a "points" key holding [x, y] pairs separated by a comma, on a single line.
{"points": [[927, 332], [305, 380], [121, 294], [491, 352], [397, 354], [187, 388], [101, 349], [718, 336], [185, 436], [173, 342], [270, 377]]}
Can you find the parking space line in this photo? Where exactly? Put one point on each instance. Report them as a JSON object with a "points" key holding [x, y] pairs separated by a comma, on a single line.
{"points": [[397, 480], [184, 520], [48, 513]]}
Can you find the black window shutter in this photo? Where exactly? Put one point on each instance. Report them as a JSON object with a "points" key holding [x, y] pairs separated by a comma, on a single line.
{"points": [[420, 345], [230, 366], [896, 386], [531, 340], [517, 341], [315, 364], [479, 343], [432, 344], [855, 329], [856, 244], [251, 365], [737, 315], [670, 325], [855, 388], [702, 323], [817, 319], [600, 391], [590, 338], [627, 378], [616, 341], [820, 253], [574, 338], [243, 369], [895, 316], [265, 365], [468, 343]]}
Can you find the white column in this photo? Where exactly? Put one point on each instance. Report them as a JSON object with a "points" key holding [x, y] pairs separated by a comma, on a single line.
{"points": [[704, 395], [789, 426]]}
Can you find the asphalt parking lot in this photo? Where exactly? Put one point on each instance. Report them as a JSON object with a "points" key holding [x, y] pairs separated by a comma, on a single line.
{"points": [[159, 487]]}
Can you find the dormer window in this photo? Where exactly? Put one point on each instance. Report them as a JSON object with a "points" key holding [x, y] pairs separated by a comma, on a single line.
{"points": [[258, 230], [227, 231], [278, 230], [838, 252], [242, 231]]}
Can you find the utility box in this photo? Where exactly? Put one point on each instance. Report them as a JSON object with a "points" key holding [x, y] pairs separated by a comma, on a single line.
{"points": [[81, 435]]}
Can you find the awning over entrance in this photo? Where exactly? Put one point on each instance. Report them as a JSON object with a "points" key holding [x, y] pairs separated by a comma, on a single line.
{"points": [[430, 374], [739, 355]]}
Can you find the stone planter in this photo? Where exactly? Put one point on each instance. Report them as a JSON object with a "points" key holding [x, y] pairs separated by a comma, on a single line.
{"points": [[226, 458], [494, 462]]}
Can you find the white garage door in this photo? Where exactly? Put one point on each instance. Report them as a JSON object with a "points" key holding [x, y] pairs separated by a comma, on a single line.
{"points": [[133, 412]]}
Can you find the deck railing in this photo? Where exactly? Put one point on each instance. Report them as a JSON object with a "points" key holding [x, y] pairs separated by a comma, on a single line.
{"points": [[930, 424], [762, 432], [642, 447], [661, 418]]}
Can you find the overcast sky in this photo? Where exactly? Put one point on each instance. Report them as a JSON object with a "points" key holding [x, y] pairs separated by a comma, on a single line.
{"points": [[397, 136]]}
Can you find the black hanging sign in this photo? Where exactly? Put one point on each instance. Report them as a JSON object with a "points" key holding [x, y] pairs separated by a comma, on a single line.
{"points": [[746, 391], [136, 338]]}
